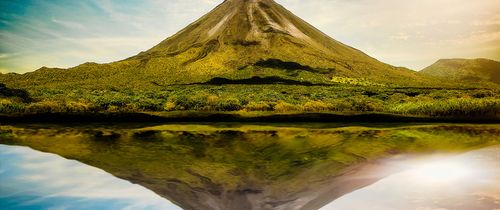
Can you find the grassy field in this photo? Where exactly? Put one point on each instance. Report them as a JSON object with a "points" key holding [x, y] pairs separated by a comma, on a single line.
{"points": [[339, 98]]}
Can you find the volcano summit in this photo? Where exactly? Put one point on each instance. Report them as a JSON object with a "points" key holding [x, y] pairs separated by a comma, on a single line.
{"points": [[239, 39]]}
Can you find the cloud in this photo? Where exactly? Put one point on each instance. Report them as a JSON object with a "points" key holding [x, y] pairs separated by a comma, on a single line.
{"points": [[5, 55], [69, 24], [375, 27], [400, 36]]}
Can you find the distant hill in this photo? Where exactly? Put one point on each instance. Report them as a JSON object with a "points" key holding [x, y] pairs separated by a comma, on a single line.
{"points": [[238, 40], [468, 70]]}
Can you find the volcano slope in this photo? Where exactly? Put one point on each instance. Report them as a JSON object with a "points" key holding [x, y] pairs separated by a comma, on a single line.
{"points": [[238, 39], [251, 55]]}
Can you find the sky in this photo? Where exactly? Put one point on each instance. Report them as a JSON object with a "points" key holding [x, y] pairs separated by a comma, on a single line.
{"points": [[409, 33]]}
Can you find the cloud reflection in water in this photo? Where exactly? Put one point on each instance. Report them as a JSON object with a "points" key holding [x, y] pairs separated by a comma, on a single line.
{"points": [[462, 182], [34, 180]]}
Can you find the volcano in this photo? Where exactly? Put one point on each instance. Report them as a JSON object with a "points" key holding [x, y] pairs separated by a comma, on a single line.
{"points": [[237, 41]]}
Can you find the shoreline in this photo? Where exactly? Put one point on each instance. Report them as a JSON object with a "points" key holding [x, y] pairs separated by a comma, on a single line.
{"points": [[180, 117]]}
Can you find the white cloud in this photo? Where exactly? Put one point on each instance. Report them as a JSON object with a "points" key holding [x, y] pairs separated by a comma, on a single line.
{"points": [[69, 24], [400, 36], [5, 55]]}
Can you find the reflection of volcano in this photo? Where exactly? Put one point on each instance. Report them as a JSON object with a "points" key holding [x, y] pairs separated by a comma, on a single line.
{"points": [[246, 166]]}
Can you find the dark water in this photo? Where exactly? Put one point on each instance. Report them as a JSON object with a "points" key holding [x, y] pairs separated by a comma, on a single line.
{"points": [[238, 166]]}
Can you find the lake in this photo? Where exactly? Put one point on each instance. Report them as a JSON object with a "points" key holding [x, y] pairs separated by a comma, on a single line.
{"points": [[250, 166]]}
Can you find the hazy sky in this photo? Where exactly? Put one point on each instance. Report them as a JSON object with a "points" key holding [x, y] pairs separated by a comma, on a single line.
{"points": [[411, 33]]}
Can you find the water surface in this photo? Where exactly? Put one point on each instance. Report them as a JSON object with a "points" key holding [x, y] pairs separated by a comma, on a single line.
{"points": [[468, 181], [245, 166], [34, 180]]}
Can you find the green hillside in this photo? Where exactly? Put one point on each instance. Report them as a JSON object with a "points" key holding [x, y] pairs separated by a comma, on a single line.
{"points": [[468, 70]]}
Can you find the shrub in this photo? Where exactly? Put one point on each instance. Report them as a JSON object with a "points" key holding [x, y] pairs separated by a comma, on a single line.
{"points": [[212, 100], [169, 106], [451, 107], [398, 98], [8, 106], [74, 106], [228, 104], [316, 106], [282, 106], [46, 107], [104, 102], [483, 94], [149, 104], [185, 102], [258, 106], [365, 104], [113, 109], [340, 105]]}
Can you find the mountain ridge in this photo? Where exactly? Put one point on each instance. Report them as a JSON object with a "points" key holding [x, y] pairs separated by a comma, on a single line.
{"points": [[466, 70]]}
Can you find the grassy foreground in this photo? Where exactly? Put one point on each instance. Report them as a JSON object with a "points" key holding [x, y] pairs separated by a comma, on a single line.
{"points": [[238, 164], [340, 98]]}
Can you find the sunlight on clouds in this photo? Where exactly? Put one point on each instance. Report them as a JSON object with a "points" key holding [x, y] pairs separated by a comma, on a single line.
{"points": [[412, 33], [406, 33]]}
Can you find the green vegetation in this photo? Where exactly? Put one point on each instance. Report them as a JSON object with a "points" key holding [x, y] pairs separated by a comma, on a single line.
{"points": [[263, 98], [192, 163], [355, 81], [465, 70], [451, 107]]}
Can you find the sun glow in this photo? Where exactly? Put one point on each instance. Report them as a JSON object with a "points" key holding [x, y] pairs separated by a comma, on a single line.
{"points": [[449, 170], [443, 171]]}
